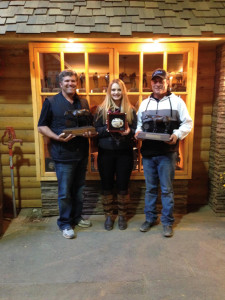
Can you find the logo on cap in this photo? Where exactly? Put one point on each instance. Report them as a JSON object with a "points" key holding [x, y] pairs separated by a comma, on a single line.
{"points": [[159, 73]]}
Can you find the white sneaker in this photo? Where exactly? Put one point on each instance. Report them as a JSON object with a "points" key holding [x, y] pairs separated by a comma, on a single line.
{"points": [[68, 233], [84, 223]]}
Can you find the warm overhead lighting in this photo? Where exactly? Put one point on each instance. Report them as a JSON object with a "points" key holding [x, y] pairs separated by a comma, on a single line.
{"points": [[155, 41], [70, 40], [149, 40]]}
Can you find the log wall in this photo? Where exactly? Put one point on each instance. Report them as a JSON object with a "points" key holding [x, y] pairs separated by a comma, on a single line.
{"points": [[217, 151], [16, 111]]}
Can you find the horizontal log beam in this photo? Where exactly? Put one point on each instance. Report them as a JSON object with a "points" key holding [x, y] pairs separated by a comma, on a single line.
{"points": [[23, 134], [25, 148], [18, 160], [17, 122], [23, 171], [19, 110], [22, 182], [23, 193]]}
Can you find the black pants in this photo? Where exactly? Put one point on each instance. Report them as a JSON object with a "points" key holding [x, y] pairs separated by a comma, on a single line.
{"points": [[116, 164]]}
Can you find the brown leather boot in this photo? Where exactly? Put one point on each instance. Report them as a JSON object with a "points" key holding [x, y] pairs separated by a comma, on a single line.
{"points": [[107, 201], [122, 210]]}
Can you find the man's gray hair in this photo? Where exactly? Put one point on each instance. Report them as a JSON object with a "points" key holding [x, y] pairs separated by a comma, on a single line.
{"points": [[65, 73]]}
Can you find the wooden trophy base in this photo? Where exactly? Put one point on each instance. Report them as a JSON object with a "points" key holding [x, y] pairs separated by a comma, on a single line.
{"points": [[80, 130], [154, 136]]}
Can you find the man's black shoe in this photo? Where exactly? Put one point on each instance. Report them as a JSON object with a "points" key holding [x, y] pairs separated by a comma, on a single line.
{"points": [[167, 230], [146, 226]]}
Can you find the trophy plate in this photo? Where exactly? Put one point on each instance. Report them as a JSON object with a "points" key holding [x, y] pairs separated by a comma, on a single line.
{"points": [[80, 130], [154, 136], [116, 122]]}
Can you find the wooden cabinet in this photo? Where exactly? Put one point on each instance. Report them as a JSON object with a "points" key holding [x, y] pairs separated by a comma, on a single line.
{"points": [[98, 63]]}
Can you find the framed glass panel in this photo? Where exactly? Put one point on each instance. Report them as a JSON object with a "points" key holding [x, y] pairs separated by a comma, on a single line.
{"points": [[150, 63], [76, 62], [183, 97], [129, 71], [94, 101], [49, 71], [145, 96], [177, 68], [99, 74], [134, 100]]}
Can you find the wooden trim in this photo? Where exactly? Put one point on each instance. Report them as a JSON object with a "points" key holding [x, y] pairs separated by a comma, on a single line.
{"points": [[114, 49]]}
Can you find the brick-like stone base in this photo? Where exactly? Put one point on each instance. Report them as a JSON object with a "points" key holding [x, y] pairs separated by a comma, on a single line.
{"points": [[92, 198]]}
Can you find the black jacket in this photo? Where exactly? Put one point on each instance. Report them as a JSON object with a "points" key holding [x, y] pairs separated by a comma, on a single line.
{"points": [[52, 115], [115, 141]]}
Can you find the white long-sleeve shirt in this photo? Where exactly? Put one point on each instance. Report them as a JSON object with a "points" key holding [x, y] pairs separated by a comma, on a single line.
{"points": [[169, 105]]}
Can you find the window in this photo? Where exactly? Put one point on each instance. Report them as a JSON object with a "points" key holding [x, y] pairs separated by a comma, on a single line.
{"points": [[97, 64]]}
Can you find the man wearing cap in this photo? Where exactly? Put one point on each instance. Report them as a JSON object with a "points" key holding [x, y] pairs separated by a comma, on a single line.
{"points": [[160, 157]]}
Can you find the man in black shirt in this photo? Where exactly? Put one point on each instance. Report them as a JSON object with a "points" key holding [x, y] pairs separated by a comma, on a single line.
{"points": [[69, 152]]}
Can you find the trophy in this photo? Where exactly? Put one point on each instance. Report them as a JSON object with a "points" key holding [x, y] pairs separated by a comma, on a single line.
{"points": [[78, 122], [133, 82], [145, 82], [123, 76], [82, 82], [116, 122], [155, 127], [107, 79], [95, 79]]}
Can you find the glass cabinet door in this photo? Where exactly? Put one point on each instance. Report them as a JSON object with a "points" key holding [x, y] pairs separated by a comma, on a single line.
{"points": [[177, 68], [49, 72], [129, 71], [96, 65], [76, 62], [151, 62], [98, 72]]}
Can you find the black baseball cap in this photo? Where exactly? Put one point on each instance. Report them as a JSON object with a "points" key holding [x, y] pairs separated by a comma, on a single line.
{"points": [[159, 73]]}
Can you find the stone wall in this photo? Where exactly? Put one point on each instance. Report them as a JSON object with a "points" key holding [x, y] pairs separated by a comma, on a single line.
{"points": [[217, 149], [92, 197]]}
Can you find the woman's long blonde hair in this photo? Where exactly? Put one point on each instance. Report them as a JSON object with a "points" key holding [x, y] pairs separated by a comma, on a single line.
{"points": [[109, 104]]}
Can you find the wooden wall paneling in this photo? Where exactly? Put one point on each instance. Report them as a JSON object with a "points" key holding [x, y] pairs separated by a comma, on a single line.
{"points": [[198, 187], [16, 110]]}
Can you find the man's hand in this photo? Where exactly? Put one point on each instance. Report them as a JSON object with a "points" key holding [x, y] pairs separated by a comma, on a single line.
{"points": [[136, 134], [89, 134], [173, 139], [65, 138]]}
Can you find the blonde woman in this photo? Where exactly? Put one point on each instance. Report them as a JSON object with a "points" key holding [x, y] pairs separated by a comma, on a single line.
{"points": [[115, 152]]}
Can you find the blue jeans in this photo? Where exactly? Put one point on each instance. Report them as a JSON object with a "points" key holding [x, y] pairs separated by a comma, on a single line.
{"points": [[159, 169], [71, 181]]}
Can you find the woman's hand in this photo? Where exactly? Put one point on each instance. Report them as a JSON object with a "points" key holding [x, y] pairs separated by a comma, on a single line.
{"points": [[126, 132], [127, 129]]}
